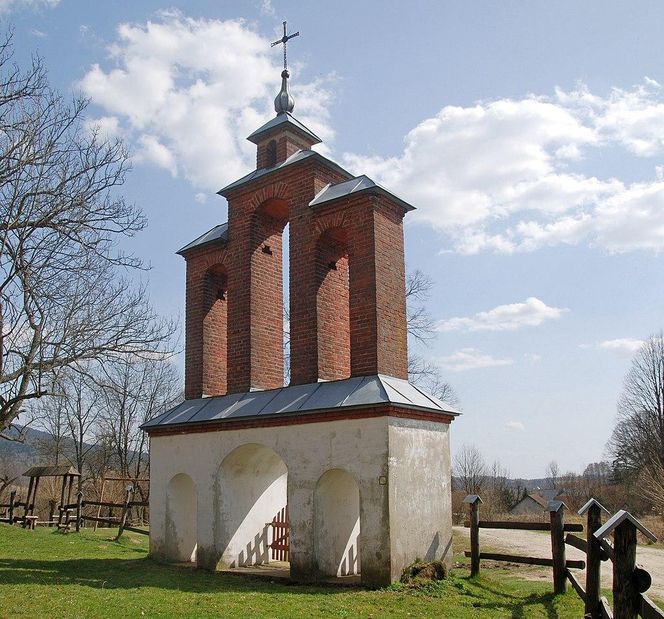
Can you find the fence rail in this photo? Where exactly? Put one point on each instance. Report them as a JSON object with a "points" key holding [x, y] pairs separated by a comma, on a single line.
{"points": [[630, 581]]}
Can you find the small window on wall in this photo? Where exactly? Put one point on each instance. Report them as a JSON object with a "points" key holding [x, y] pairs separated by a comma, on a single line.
{"points": [[271, 154]]}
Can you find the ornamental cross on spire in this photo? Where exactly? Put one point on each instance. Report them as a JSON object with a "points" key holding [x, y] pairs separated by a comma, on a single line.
{"points": [[285, 40]]}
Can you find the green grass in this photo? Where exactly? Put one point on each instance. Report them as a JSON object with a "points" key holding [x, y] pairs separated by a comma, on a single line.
{"points": [[44, 573]]}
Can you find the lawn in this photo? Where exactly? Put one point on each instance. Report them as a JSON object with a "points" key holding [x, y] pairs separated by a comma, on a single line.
{"points": [[44, 573]]}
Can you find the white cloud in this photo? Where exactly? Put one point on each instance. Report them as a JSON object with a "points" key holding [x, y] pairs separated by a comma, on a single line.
{"points": [[531, 313], [201, 197], [265, 7], [188, 91], [532, 357], [624, 347], [9, 6], [504, 175], [516, 426], [108, 127], [470, 359]]}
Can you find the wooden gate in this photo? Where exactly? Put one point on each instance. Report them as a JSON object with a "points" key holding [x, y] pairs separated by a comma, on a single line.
{"points": [[280, 542]]}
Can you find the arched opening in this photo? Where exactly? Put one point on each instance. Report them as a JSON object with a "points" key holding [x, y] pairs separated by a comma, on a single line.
{"points": [[267, 286], [215, 331], [271, 153], [253, 491], [332, 305], [180, 529], [337, 544]]}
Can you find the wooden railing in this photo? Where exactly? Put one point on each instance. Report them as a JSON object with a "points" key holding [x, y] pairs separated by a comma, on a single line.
{"points": [[630, 581]]}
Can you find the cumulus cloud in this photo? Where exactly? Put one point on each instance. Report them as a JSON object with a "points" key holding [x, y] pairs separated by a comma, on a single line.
{"points": [[531, 313], [9, 6], [470, 359], [515, 426], [624, 347], [511, 175], [188, 91]]}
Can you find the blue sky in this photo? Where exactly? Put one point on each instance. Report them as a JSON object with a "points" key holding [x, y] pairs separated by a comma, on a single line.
{"points": [[530, 135]]}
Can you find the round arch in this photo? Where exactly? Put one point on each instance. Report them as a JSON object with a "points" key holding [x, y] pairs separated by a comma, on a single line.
{"points": [[252, 483], [337, 532], [181, 510]]}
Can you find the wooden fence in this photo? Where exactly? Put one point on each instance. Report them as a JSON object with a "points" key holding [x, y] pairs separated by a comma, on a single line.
{"points": [[630, 581]]}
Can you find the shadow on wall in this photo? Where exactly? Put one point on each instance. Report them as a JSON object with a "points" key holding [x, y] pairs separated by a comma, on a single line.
{"points": [[251, 487], [337, 534], [180, 525]]}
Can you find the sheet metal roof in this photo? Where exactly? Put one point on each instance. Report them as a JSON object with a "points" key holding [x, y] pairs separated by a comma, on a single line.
{"points": [[296, 157], [359, 184], [218, 233], [302, 399], [283, 120]]}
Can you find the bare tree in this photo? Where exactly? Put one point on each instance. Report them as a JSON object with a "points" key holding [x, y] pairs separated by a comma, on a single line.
{"points": [[135, 391], [470, 469], [552, 473], [637, 442], [64, 294]]}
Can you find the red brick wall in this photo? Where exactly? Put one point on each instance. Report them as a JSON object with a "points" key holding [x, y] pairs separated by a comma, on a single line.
{"points": [[206, 324], [346, 320]]}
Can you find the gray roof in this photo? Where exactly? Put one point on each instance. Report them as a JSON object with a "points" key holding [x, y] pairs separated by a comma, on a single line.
{"points": [[359, 184], [296, 157], [612, 523], [296, 400], [283, 120], [218, 233], [51, 471]]}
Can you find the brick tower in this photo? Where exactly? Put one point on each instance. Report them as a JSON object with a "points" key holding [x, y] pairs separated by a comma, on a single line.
{"points": [[348, 409]]}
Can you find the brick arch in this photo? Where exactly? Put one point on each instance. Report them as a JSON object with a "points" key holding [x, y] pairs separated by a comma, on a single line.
{"points": [[278, 191], [329, 220]]}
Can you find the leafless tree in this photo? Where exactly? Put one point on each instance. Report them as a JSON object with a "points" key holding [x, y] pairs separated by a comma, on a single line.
{"points": [[470, 469], [64, 291], [637, 442], [135, 391], [552, 473]]}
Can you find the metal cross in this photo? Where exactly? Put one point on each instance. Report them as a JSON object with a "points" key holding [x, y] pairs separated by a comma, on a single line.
{"points": [[285, 40]]}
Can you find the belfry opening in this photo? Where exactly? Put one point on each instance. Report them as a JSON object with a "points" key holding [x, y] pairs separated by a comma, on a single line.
{"points": [[343, 472]]}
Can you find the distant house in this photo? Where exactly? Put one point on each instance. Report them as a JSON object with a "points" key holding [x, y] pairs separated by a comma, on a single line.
{"points": [[537, 501]]}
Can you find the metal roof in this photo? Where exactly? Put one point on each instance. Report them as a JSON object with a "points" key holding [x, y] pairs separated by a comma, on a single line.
{"points": [[218, 233], [283, 120], [51, 471], [612, 523], [296, 157], [301, 400], [359, 184]]}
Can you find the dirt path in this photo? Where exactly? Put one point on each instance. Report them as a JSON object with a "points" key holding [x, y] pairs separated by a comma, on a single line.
{"points": [[536, 544]]}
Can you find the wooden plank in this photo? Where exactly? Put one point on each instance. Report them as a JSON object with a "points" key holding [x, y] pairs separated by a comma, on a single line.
{"points": [[608, 549], [139, 504], [594, 556], [577, 542], [625, 595], [495, 556], [475, 537], [106, 520], [650, 610], [525, 526], [605, 608], [134, 530], [102, 504], [576, 585]]}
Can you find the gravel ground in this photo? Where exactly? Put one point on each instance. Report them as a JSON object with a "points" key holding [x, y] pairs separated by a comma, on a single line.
{"points": [[535, 544]]}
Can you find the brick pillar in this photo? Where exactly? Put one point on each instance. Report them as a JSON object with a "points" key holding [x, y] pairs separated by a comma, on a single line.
{"points": [[378, 332], [255, 295], [205, 323]]}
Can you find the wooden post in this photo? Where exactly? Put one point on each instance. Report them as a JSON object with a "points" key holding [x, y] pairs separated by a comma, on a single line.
{"points": [[79, 503], [473, 501], [62, 499], [625, 594], [12, 499], [125, 511], [557, 513], [101, 498], [26, 507], [593, 562]]}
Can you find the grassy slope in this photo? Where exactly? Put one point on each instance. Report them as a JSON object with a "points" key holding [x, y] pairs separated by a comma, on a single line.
{"points": [[44, 573]]}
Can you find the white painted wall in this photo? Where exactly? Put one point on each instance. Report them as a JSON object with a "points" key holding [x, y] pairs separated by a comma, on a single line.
{"points": [[180, 521], [420, 492], [337, 524], [399, 521]]}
